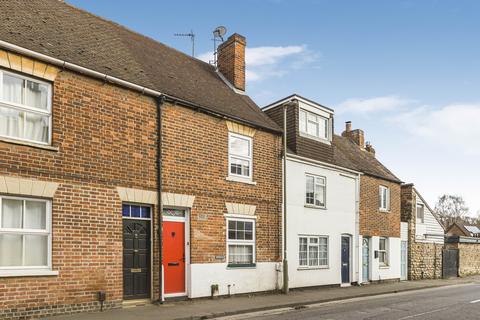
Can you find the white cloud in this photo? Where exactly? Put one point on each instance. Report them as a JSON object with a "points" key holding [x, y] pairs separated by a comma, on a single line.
{"points": [[454, 126], [272, 61], [375, 104]]}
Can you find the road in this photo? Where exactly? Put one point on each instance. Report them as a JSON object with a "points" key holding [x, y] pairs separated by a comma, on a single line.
{"points": [[458, 303]]}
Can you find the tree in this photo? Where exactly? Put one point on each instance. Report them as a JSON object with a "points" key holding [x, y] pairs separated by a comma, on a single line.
{"points": [[450, 209]]}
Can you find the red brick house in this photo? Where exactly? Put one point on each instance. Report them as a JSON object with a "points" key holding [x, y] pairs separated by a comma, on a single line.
{"points": [[380, 198], [88, 111]]}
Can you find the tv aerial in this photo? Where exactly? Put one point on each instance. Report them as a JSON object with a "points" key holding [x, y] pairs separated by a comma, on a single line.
{"points": [[218, 34], [192, 39]]}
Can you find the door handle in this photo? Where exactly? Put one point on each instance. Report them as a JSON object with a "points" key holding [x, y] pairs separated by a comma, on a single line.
{"points": [[344, 264], [173, 264]]}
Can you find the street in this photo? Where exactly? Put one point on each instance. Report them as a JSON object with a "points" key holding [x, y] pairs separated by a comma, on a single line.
{"points": [[459, 303]]}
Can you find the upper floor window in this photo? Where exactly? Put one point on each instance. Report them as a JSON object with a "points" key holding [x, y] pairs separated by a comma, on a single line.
{"points": [[384, 198], [240, 155], [25, 108], [313, 125], [420, 213], [25, 237], [315, 191]]}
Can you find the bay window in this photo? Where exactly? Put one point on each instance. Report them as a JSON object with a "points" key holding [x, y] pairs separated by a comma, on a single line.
{"points": [[25, 234], [25, 108], [241, 242]]}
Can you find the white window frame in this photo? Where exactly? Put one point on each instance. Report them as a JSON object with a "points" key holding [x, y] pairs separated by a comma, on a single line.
{"points": [[30, 270], [384, 204], [26, 108], [308, 266], [422, 220], [315, 179], [386, 251], [249, 159], [304, 128], [241, 242]]}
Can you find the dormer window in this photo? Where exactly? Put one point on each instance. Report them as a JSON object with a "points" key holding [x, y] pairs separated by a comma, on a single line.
{"points": [[313, 125]]}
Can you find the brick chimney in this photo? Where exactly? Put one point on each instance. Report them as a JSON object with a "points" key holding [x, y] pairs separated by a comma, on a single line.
{"points": [[231, 60], [356, 135]]}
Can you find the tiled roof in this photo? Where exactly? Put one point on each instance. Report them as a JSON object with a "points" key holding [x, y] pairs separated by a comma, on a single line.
{"points": [[347, 154], [61, 31]]}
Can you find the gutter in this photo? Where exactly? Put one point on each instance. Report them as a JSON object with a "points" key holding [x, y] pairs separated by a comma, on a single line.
{"points": [[126, 84]]}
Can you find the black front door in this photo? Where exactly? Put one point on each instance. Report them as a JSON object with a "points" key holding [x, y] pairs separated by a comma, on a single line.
{"points": [[136, 259], [345, 259]]}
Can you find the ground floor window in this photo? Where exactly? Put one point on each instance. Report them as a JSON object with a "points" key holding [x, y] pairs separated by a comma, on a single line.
{"points": [[241, 242], [383, 251], [25, 233], [313, 251]]}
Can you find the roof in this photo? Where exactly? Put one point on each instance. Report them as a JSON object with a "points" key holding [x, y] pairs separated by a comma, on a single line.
{"points": [[295, 96], [472, 229], [463, 228], [61, 31], [349, 155]]}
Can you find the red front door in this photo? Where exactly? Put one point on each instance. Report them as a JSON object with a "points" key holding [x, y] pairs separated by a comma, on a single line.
{"points": [[174, 257]]}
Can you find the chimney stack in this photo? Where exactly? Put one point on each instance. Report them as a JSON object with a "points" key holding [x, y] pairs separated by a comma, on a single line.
{"points": [[357, 135], [231, 60], [369, 148]]}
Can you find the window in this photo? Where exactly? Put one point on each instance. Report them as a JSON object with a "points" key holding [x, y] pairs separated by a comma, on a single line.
{"points": [[25, 108], [313, 125], [383, 251], [240, 155], [135, 211], [313, 251], [25, 237], [420, 213], [241, 242], [315, 191], [384, 197]]}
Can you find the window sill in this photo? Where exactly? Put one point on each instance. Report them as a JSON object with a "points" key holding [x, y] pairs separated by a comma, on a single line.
{"points": [[311, 206], [384, 267], [242, 180], [27, 272], [312, 268], [383, 211], [241, 266], [309, 136], [29, 144]]}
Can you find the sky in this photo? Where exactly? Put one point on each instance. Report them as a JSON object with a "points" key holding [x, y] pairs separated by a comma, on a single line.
{"points": [[407, 72]]}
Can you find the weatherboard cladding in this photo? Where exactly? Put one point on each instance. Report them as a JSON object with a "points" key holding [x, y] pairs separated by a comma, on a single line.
{"points": [[61, 31], [342, 152]]}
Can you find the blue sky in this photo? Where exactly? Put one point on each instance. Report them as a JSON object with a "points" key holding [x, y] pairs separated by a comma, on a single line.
{"points": [[406, 72]]}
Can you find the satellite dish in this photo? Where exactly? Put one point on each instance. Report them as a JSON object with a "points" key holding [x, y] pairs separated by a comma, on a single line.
{"points": [[219, 32]]}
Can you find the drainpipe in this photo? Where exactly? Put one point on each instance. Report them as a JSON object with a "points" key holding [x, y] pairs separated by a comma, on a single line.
{"points": [[285, 260], [160, 101]]}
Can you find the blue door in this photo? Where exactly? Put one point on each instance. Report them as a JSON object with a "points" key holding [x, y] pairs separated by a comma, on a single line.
{"points": [[345, 259], [403, 260]]}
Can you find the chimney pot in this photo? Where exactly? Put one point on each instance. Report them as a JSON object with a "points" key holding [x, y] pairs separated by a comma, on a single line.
{"points": [[348, 126], [231, 60]]}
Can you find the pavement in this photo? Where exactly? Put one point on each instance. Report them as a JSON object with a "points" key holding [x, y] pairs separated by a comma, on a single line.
{"points": [[242, 304]]}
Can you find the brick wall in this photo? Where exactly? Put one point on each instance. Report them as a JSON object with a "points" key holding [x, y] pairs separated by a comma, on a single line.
{"points": [[105, 138], [374, 222], [199, 166]]}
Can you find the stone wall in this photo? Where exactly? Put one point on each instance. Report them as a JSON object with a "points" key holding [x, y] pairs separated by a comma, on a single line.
{"points": [[425, 261], [469, 257]]}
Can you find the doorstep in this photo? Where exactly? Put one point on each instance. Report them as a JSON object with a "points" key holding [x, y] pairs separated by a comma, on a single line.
{"points": [[135, 303]]}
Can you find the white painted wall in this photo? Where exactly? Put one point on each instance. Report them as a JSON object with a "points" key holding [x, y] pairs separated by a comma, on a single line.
{"points": [[404, 231], [430, 231], [338, 218], [263, 277], [377, 272]]}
